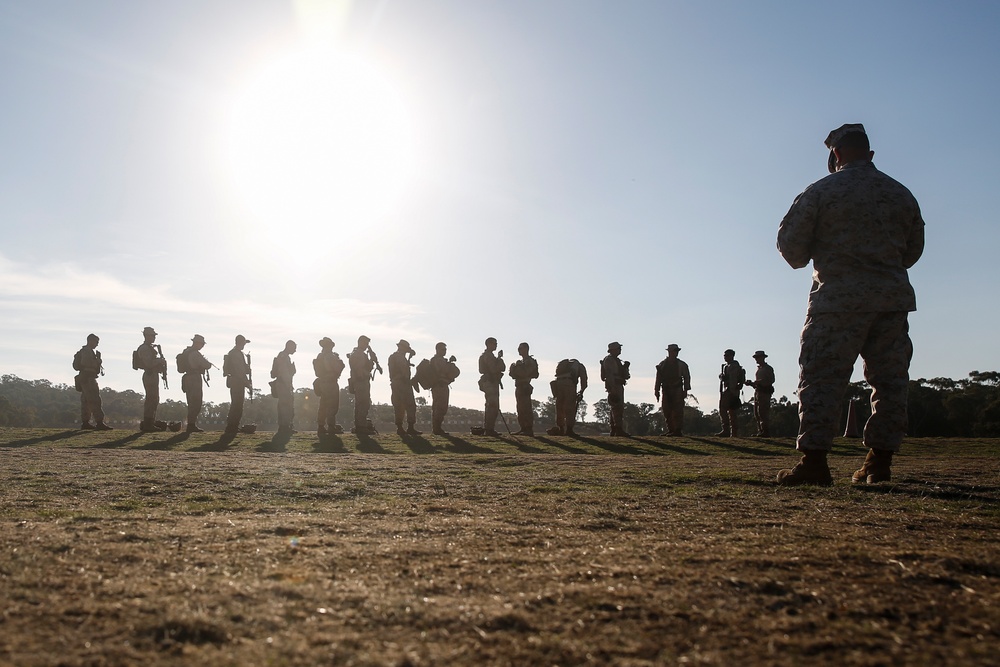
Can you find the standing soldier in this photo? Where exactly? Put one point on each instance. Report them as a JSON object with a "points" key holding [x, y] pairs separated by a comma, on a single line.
{"points": [[491, 368], [88, 362], [404, 405], [673, 379], [731, 381], [328, 366], [523, 371], [194, 367], [862, 230], [443, 372], [363, 363], [763, 389], [615, 374], [149, 358], [283, 370], [568, 373], [236, 369]]}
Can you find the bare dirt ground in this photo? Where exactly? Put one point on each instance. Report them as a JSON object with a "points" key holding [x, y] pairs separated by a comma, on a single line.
{"points": [[119, 548]]}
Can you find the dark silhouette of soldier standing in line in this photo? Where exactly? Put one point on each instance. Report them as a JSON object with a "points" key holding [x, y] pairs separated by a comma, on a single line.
{"points": [[673, 379], [731, 381], [404, 404], [862, 230], [87, 361], [236, 369], [149, 358], [363, 363], [443, 373], [615, 374], [328, 367], [568, 373], [523, 371], [283, 370], [491, 368], [763, 389], [191, 383]]}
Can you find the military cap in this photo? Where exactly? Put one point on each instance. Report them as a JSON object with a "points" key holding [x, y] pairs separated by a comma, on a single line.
{"points": [[148, 330], [835, 136], [326, 342], [364, 340], [759, 353], [674, 346], [241, 338], [614, 345], [198, 338], [404, 345]]}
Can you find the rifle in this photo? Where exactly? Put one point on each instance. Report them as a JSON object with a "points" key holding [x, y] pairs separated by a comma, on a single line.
{"points": [[374, 359], [249, 377], [163, 373]]}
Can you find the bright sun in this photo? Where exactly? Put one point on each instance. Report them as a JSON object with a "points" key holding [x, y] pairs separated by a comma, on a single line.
{"points": [[318, 139]]}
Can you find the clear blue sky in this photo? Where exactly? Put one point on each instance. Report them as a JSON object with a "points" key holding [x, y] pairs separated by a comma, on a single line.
{"points": [[562, 172]]}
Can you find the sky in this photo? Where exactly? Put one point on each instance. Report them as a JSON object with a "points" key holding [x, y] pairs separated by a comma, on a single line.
{"points": [[562, 172]]}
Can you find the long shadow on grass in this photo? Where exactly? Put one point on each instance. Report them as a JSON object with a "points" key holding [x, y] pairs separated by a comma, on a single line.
{"points": [[329, 444], [277, 443], [169, 443], [561, 445], [120, 442], [369, 445], [741, 448], [61, 435], [617, 447], [220, 445], [461, 446], [524, 446], [418, 444], [937, 491], [671, 447]]}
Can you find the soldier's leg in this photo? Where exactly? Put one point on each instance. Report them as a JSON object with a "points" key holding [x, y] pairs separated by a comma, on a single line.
{"points": [[151, 385], [194, 397], [236, 396], [562, 407], [492, 411], [334, 404], [85, 402], [831, 343], [724, 414], [410, 407], [887, 353], [398, 405]]}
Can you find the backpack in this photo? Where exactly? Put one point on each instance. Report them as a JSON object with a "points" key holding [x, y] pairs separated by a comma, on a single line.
{"points": [[76, 360], [135, 360], [424, 374], [183, 365], [227, 366], [567, 369]]}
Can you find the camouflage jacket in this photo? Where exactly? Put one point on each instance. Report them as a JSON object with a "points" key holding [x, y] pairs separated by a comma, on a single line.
{"points": [[862, 230]]}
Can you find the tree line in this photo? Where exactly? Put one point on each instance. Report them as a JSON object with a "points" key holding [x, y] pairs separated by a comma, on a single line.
{"points": [[939, 407]]}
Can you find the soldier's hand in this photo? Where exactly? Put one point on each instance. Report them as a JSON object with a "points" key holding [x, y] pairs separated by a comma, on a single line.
{"points": [[657, 394], [500, 354]]}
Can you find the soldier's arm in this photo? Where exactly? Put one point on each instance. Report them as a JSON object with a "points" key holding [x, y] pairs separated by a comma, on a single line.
{"points": [[795, 234], [915, 242]]}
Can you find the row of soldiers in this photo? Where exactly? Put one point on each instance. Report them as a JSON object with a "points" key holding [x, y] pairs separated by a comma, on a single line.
{"points": [[671, 387]]}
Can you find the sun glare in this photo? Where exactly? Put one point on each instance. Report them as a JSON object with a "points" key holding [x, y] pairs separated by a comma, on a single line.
{"points": [[318, 139]]}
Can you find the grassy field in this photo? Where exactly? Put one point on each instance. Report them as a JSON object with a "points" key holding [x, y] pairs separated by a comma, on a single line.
{"points": [[125, 548]]}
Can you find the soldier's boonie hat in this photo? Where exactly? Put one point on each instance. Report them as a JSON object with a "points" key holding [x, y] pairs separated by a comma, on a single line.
{"points": [[759, 353], [674, 346], [326, 342], [404, 345], [614, 346], [198, 338], [241, 338], [148, 330]]}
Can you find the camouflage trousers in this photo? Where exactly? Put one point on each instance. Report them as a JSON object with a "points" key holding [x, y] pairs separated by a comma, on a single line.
{"points": [[491, 412], [329, 404], [440, 394], [762, 411], [564, 392], [362, 403], [237, 396], [194, 391], [90, 400], [831, 344], [673, 409], [151, 384], [616, 403], [404, 404], [525, 411]]}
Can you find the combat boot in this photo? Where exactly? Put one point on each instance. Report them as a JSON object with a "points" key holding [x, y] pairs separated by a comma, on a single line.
{"points": [[812, 469], [101, 426], [411, 430], [87, 426], [400, 430], [875, 469], [193, 428]]}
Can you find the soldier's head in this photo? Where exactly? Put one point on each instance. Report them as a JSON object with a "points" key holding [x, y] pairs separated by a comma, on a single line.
{"points": [[241, 341], [522, 349], [326, 343], [404, 346], [615, 348], [198, 341], [491, 344], [149, 334], [729, 355], [759, 357], [441, 349], [363, 342], [673, 349], [92, 341], [290, 347], [848, 143]]}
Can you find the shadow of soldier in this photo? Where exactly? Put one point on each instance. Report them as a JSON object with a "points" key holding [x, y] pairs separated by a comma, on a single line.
{"points": [[461, 446], [369, 445], [169, 443], [61, 435], [120, 442], [329, 444], [220, 445], [277, 442], [418, 444]]}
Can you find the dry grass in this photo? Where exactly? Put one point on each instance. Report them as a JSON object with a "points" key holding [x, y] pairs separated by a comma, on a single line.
{"points": [[120, 548]]}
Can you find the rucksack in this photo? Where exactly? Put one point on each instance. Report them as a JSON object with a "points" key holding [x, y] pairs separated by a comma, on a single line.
{"points": [[76, 360], [227, 366], [423, 375], [567, 369], [135, 360], [183, 365]]}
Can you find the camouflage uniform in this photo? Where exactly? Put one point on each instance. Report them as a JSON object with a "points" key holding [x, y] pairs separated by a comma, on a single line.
{"points": [[152, 364], [615, 374], [731, 381], [568, 372], [328, 367], [491, 371], [862, 230], [444, 373], [763, 390], [237, 369], [523, 371], [88, 363], [361, 381], [191, 384], [673, 378], [283, 371], [404, 404]]}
